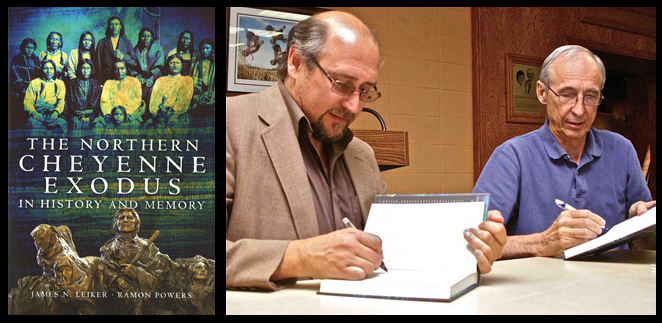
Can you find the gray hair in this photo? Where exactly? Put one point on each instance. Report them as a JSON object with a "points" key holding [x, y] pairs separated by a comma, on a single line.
{"points": [[309, 39], [567, 51]]}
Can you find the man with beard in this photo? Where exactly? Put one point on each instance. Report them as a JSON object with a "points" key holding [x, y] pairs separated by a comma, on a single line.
{"points": [[294, 170]]}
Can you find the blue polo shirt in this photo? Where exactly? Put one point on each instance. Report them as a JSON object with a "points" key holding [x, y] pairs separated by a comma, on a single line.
{"points": [[525, 174]]}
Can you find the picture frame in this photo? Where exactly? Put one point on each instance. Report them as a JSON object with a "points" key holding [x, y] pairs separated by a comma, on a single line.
{"points": [[257, 45], [522, 104]]}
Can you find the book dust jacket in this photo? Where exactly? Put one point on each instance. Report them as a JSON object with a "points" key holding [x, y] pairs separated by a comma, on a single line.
{"points": [[110, 165]]}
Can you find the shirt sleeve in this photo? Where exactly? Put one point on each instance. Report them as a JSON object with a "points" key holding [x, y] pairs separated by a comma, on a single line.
{"points": [[104, 101], [61, 93], [129, 55], [135, 99], [72, 64], [31, 96], [501, 179]]}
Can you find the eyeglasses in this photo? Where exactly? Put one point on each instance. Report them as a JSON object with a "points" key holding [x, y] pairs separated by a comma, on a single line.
{"points": [[346, 89], [567, 98]]}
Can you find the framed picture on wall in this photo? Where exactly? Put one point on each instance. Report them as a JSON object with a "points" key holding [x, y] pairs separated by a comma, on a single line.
{"points": [[522, 105], [257, 45]]}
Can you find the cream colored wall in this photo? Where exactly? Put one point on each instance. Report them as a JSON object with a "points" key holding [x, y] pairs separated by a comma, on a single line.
{"points": [[426, 87]]}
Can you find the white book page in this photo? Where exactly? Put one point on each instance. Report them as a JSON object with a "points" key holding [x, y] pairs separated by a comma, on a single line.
{"points": [[620, 230], [426, 237], [424, 250]]}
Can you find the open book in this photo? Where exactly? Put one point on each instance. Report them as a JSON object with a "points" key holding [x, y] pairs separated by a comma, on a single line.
{"points": [[621, 233], [424, 248]]}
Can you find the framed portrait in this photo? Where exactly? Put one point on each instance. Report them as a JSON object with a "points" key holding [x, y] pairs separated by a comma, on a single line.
{"points": [[257, 45], [522, 105]]}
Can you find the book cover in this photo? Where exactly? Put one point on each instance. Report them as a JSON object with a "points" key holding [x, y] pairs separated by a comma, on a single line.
{"points": [[111, 167]]}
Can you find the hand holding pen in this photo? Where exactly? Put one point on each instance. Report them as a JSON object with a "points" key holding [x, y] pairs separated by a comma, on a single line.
{"points": [[571, 228], [341, 254], [568, 207], [349, 224]]}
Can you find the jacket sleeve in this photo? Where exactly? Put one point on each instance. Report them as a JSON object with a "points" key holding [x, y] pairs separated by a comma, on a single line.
{"points": [[129, 55], [249, 263]]}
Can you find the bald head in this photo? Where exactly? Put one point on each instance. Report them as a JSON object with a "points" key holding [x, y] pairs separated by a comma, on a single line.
{"points": [[347, 28], [317, 35]]}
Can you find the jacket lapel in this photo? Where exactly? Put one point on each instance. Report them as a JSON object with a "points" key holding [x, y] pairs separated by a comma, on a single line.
{"points": [[283, 148], [358, 170]]}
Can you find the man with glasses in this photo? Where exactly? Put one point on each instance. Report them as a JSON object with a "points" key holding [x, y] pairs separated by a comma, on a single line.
{"points": [[595, 171], [294, 170]]}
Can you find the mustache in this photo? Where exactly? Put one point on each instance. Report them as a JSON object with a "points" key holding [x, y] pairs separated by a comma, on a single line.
{"points": [[341, 113]]}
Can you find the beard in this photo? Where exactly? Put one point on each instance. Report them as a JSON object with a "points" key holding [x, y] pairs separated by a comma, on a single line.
{"points": [[322, 135]]}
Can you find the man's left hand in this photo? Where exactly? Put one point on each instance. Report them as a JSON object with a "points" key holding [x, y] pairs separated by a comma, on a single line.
{"points": [[488, 240], [640, 208]]}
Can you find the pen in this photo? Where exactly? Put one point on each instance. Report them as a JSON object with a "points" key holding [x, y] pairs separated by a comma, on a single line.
{"points": [[569, 207], [349, 224]]}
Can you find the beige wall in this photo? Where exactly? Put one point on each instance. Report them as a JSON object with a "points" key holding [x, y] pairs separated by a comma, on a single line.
{"points": [[426, 87]]}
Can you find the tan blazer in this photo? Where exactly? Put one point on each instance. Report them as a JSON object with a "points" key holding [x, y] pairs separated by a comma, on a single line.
{"points": [[268, 199]]}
